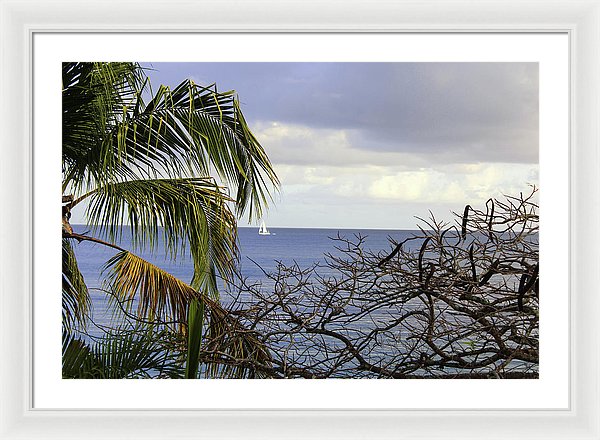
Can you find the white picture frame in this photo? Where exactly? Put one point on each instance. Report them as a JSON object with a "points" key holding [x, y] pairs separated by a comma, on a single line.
{"points": [[21, 20]]}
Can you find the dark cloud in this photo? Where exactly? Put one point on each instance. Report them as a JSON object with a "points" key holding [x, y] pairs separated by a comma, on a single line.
{"points": [[455, 112]]}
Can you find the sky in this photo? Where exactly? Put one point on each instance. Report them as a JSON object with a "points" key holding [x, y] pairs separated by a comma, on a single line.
{"points": [[373, 145]]}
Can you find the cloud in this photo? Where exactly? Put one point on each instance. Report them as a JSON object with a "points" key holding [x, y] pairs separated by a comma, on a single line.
{"points": [[373, 144], [293, 144], [387, 198], [343, 189], [450, 185], [479, 112], [300, 144], [327, 181]]}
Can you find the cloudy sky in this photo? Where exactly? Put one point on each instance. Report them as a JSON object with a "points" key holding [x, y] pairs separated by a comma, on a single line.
{"points": [[372, 145]]}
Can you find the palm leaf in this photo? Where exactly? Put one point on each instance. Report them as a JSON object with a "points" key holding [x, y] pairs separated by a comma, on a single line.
{"points": [[198, 129], [137, 353], [75, 295], [79, 360], [149, 291], [195, 324], [152, 293], [189, 212], [94, 95], [111, 134], [124, 352]]}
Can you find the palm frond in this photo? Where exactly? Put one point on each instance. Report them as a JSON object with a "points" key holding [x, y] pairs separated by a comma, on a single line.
{"points": [[94, 96], [110, 134], [229, 349], [75, 295], [137, 353], [122, 353], [198, 129], [149, 291], [149, 165], [79, 360], [188, 213], [195, 325]]}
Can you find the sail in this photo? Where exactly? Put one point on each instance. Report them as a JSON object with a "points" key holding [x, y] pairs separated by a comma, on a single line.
{"points": [[263, 229]]}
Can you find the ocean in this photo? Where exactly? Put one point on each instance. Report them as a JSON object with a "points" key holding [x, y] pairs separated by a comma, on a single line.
{"points": [[380, 304], [259, 254]]}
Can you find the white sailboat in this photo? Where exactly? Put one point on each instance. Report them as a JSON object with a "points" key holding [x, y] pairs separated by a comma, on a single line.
{"points": [[263, 229]]}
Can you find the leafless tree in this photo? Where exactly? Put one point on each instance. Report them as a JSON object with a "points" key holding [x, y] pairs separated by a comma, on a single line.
{"points": [[451, 301]]}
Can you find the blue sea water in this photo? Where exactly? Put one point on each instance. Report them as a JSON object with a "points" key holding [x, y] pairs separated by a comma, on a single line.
{"points": [[258, 254]]}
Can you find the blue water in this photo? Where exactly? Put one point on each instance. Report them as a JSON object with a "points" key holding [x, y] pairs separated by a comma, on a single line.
{"points": [[288, 245], [259, 254]]}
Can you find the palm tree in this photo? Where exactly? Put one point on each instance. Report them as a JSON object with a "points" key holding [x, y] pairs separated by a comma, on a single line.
{"points": [[177, 165]]}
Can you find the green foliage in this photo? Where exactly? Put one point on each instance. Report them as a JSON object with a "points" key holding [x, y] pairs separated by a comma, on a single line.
{"points": [[195, 324], [178, 165], [186, 213], [152, 163], [75, 295], [94, 95], [123, 353]]}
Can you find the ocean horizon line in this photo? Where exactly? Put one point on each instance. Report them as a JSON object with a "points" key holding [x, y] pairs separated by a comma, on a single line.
{"points": [[332, 228]]}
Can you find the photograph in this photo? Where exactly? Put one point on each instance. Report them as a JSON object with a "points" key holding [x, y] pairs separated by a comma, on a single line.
{"points": [[309, 220], [299, 190]]}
